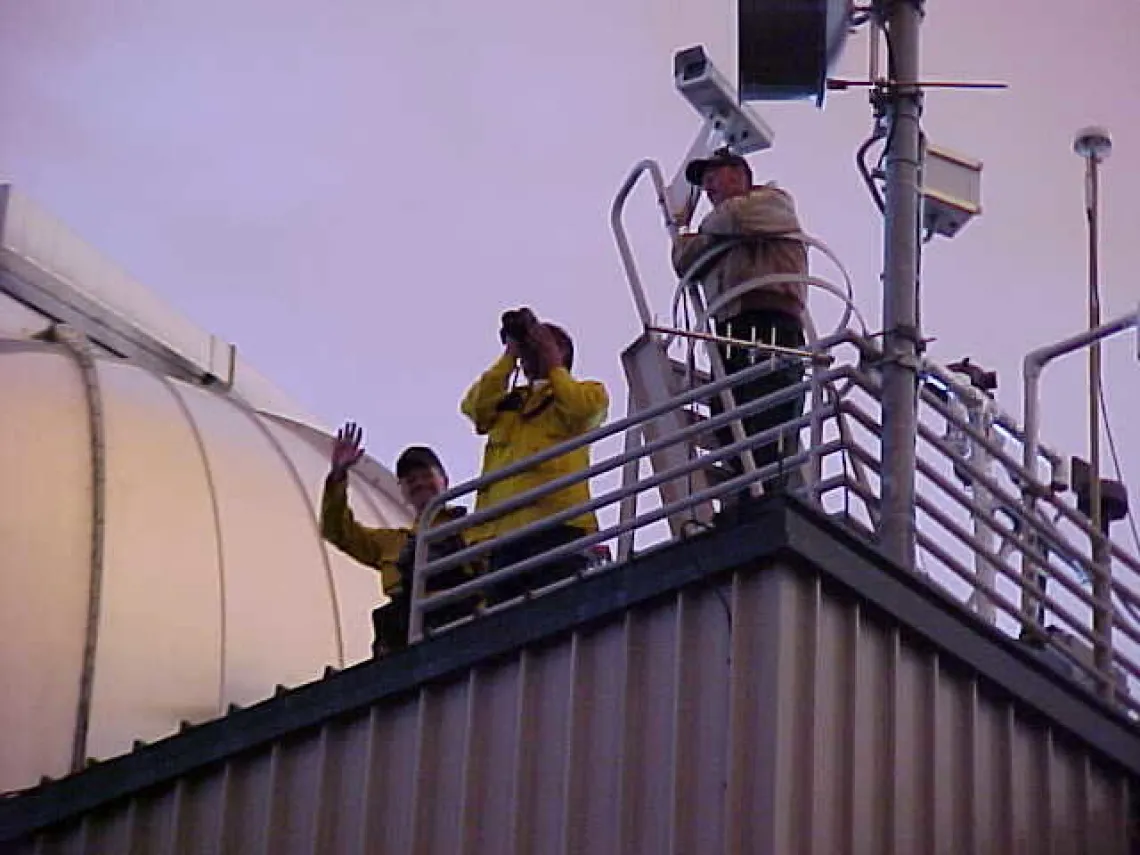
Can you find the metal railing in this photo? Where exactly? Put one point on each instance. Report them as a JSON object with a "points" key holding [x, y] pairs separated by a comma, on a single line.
{"points": [[989, 532], [420, 601], [979, 539], [998, 546]]}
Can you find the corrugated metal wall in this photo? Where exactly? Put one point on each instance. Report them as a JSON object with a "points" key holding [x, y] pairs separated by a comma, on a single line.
{"points": [[759, 717], [887, 748]]}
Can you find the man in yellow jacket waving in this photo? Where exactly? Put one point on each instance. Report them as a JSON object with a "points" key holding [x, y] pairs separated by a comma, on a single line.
{"points": [[391, 550], [522, 421]]}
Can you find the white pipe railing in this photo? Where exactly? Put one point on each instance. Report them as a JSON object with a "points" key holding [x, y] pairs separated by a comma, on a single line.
{"points": [[1034, 364], [991, 479], [429, 533]]}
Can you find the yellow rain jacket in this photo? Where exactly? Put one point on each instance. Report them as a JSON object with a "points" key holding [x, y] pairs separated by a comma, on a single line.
{"points": [[524, 422], [375, 547]]}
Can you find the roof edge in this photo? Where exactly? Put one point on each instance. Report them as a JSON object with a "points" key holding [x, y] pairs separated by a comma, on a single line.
{"points": [[781, 531]]}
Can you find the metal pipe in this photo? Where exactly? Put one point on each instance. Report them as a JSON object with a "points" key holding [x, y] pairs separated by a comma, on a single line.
{"points": [[451, 595], [674, 472], [821, 358], [969, 394], [1102, 590], [717, 372], [1034, 364], [1010, 608], [427, 517], [963, 500], [81, 350], [900, 277], [624, 250], [630, 472], [1022, 516], [815, 435], [981, 417]]}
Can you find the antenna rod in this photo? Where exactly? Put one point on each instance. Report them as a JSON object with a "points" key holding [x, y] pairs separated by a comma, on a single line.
{"points": [[902, 337], [1094, 145]]}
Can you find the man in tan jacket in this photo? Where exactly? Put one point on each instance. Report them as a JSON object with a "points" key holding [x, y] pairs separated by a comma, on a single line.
{"points": [[761, 224]]}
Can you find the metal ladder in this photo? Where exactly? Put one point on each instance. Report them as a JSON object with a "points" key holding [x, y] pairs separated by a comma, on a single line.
{"points": [[654, 376]]}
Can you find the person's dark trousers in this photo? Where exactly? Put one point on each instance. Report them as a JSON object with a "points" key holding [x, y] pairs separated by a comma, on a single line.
{"points": [[390, 626], [538, 577], [769, 327], [390, 622]]}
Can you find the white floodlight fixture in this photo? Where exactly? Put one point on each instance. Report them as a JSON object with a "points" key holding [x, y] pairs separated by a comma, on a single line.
{"points": [[951, 191]]}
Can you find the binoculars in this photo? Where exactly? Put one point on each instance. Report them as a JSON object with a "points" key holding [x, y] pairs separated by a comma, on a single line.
{"points": [[517, 325]]}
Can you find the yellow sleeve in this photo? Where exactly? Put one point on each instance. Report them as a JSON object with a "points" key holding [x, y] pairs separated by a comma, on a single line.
{"points": [[371, 546], [482, 399], [583, 403]]}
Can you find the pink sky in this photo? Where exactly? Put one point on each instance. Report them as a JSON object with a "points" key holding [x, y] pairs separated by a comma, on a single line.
{"points": [[352, 192]]}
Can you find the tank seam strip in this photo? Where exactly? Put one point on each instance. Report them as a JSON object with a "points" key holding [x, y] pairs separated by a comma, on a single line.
{"points": [[80, 349], [218, 534], [252, 414]]}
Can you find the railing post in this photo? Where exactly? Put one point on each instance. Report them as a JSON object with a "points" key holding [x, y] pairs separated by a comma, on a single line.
{"points": [[815, 436], [630, 471], [629, 265], [981, 418], [1034, 363]]}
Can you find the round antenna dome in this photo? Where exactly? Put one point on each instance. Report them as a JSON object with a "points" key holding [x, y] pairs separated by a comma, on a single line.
{"points": [[1093, 142]]}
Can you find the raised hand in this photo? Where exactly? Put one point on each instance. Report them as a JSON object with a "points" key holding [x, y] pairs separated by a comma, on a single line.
{"points": [[347, 450], [683, 217], [546, 350]]}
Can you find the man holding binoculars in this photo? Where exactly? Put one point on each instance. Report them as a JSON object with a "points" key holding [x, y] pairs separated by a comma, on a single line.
{"points": [[521, 421]]}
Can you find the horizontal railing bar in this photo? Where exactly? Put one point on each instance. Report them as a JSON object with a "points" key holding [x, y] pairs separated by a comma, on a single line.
{"points": [[521, 500], [1011, 504], [963, 500], [673, 473], [442, 598], [1050, 569], [953, 527], [1015, 467], [611, 428], [1013, 612], [1039, 544]]}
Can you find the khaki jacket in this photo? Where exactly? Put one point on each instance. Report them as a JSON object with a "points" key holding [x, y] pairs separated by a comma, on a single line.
{"points": [[533, 419], [765, 211]]}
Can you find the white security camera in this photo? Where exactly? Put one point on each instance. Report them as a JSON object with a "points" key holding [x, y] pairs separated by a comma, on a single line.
{"points": [[711, 95]]}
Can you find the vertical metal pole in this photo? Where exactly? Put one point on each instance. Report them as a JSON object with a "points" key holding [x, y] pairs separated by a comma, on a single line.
{"points": [[981, 417], [1094, 351], [900, 282], [1094, 151]]}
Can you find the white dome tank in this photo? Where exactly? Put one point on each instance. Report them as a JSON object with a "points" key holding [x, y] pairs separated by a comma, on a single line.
{"points": [[159, 557]]}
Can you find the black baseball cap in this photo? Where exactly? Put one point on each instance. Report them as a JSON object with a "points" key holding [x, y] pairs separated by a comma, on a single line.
{"points": [[695, 171], [417, 456]]}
